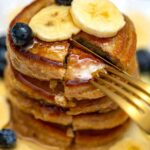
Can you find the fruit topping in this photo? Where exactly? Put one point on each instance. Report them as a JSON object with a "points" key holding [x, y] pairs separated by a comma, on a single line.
{"points": [[21, 34], [100, 18], [144, 60], [53, 23], [64, 2], [3, 41], [7, 138], [2, 54]]}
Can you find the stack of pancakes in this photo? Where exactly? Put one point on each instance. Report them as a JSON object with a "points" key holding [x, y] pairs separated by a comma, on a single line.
{"points": [[48, 86]]}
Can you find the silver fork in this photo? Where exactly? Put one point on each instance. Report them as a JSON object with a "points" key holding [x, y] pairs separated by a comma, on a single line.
{"points": [[131, 94]]}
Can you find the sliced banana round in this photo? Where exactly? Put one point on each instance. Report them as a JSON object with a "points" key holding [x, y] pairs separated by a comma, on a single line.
{"points": [[100, 18], [130, 144], [53, 23], [4, 112]]}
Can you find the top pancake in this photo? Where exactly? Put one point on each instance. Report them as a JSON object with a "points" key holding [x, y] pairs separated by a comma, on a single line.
{"points": [[47, 61]]}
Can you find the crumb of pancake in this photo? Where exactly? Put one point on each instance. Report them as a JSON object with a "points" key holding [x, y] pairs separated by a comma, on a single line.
{"points": [[53, 84], [70, 132], [60, 100]]}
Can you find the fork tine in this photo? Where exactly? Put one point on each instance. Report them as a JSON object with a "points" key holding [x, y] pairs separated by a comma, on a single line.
{"points": [[139, 103], [138, 83], [135, 91], [125, 105]]}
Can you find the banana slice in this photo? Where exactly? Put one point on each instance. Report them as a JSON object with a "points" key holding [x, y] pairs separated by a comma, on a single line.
{"points": [[130, 144], [53, 23], [4, 112], [97, 17]]}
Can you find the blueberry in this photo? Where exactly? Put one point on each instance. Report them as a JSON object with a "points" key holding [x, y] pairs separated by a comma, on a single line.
{"points": [[7, 138], [64, 2], [21, 34], [144, 60], [2, 60], [2, 53], [3, 41], [2, 67]]}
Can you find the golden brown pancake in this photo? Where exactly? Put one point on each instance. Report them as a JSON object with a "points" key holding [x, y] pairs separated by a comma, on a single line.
{"points": [[87, 139], [39, 90], [98, 121], [46, 133], [58, 115], [102, 105], [29, 63], [39, 109], [37, 64], [53, 135]]}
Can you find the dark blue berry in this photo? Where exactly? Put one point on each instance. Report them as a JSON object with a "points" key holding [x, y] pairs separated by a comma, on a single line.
{"points": [[2, 53], [144, 60], [7, 138], [3, 41], [21, 34], [2, 67], [64, 2], [2, 60]]}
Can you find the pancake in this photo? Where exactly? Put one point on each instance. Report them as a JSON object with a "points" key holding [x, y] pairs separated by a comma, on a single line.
{"points": [[32, 64], [39, 110], [39, 90], [37, 64], [58, 115], [51, 134], [91, 139], [46, 133], [102, 105], [98, 121]]}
